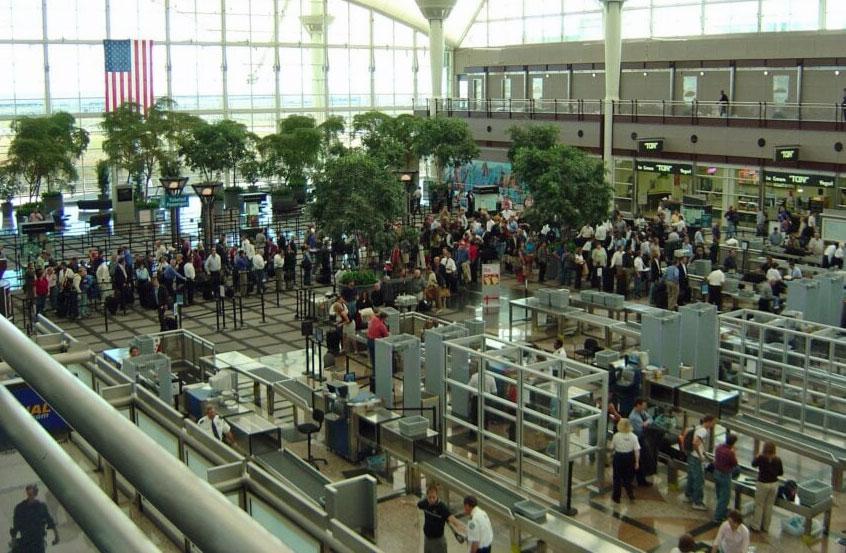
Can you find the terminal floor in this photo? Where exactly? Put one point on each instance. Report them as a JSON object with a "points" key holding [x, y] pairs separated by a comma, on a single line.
{"points": [[653, 522]]}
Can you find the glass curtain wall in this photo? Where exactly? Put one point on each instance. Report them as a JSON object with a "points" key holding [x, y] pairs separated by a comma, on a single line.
{"points": [[504, 22], [253, 61]]}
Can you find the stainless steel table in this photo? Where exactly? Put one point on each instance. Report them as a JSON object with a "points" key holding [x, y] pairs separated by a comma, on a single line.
{"points": [[259, 434]]}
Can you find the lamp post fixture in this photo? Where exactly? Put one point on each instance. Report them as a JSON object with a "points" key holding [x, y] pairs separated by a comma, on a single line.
{"points": [[207, 192], [173, 187]]}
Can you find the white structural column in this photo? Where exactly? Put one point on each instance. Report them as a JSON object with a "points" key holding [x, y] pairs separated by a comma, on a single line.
{"points": [[317, 25], [436, 11], [613, 52]]}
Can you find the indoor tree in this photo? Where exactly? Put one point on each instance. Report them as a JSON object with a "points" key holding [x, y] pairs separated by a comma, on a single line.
{"points": [[357, 196], [331, 130], [291, 154], [449, 142], [568, 186], [138, 142], [44, 150], [394, 140]]}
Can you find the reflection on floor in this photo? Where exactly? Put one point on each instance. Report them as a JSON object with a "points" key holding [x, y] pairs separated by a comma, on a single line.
{"points": [[653, 522], [16, 474]]}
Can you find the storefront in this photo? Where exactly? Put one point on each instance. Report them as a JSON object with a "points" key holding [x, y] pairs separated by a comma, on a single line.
{"points": [[640, 184]]}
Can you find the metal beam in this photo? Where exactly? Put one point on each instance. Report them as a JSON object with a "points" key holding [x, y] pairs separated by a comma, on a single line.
{"points": [[200, 512], [103, 522]]}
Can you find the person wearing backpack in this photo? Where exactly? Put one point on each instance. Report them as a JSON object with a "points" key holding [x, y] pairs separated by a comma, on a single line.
{"points": [[694, 446], [769, 469]]}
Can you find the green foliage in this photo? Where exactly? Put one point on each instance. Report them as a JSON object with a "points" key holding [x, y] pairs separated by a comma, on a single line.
{"points": [[213, 148], [44, 149], [293, 152], [136, 142], [27, 209], [448, 140], [394, 140], [149, 203], [357, 196], [10, 185], [532, 136], [567, 186], [331, 131], [252, 165], [361, 278]]}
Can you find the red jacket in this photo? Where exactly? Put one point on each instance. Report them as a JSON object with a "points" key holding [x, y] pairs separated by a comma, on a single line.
{"points": [[376, 328]]}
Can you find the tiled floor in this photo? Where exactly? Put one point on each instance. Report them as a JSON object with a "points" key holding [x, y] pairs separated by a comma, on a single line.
{"points": [[653, 522]]}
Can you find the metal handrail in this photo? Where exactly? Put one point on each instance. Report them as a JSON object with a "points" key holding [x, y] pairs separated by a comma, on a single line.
{"points": [[695, 110]]}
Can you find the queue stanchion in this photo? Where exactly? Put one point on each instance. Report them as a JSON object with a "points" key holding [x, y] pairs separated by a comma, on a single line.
{"points": [[241, 310], [306, 330], [263, 320], [217, 313]]}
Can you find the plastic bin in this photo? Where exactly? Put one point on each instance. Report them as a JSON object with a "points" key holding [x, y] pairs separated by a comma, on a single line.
{"points": [[530, 510], [811, 492], [559, 298], [542, 295], [414, 426]]}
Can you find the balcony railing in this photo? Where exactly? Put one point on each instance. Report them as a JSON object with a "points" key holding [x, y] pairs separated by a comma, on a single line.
{"points": [[695, 112]]}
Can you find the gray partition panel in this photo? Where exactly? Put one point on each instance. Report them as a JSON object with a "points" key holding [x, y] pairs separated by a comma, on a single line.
{"points": [[460, 371], [435, 355], [700, 331], [383, 372], [660, 335]]}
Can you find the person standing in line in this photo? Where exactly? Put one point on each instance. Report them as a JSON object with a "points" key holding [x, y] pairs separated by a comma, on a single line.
{"points": [[190, 274], [437, 516], [626, 460], [725, 463], [479, 529], [769, 469], [733, 535], [695, 491], [31, 520], [716, 279], [671, 279], [843, 105], [376, 329], [640, 419]]}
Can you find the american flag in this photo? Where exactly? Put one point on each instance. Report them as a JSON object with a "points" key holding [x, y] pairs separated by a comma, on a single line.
{"points": [[129, 73]]}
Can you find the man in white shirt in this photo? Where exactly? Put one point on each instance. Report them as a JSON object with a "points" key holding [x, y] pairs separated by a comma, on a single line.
{"points": [[479, 529], [716, 279], [215, 426], [258, 271], [601, 232], [249, 249], [212, 266], [641, 274], [490, 382], [586, 232]]}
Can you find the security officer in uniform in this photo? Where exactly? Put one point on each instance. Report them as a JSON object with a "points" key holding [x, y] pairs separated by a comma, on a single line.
{"points": [[216, 426], [32, 519], [479, 530]]}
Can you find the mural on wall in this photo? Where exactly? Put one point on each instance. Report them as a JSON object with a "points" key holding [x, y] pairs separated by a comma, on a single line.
{"points": [[477, 174]]}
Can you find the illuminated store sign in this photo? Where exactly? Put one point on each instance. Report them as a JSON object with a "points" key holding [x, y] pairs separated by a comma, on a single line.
{"points": [[787, 153], [665, 168], [797, 179], [650, 145]]}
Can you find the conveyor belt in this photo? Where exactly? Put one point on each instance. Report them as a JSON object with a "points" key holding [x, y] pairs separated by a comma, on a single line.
{"points": [[298, 393], [472, 480], [296, 471], [559, 532], [811, 447]]}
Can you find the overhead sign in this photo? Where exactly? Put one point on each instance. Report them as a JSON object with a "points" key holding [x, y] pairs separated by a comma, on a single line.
{"points": [[787, 153], [175, 201], [665, 168], [650, 145], [797, 179]]}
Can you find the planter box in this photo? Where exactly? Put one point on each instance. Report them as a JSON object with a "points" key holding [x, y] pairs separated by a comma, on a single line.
{"points": [[144, 216]]}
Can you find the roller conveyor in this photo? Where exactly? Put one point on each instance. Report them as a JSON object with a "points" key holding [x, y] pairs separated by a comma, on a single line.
{"points": [[296, 471], [559, 532]]}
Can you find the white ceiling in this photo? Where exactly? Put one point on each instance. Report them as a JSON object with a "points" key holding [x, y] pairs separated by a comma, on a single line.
{"points": [[406, 11]]}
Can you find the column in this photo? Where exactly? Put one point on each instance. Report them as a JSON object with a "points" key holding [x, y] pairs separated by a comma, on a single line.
{"points": [[317, 25], [612, 11], [436, 11]]}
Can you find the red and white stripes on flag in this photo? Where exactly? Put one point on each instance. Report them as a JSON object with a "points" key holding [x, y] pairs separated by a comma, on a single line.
{"points": [[128, 73]]}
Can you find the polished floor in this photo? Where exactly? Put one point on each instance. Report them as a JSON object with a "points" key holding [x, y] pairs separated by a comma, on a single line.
{"points": [[652, 523]]}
